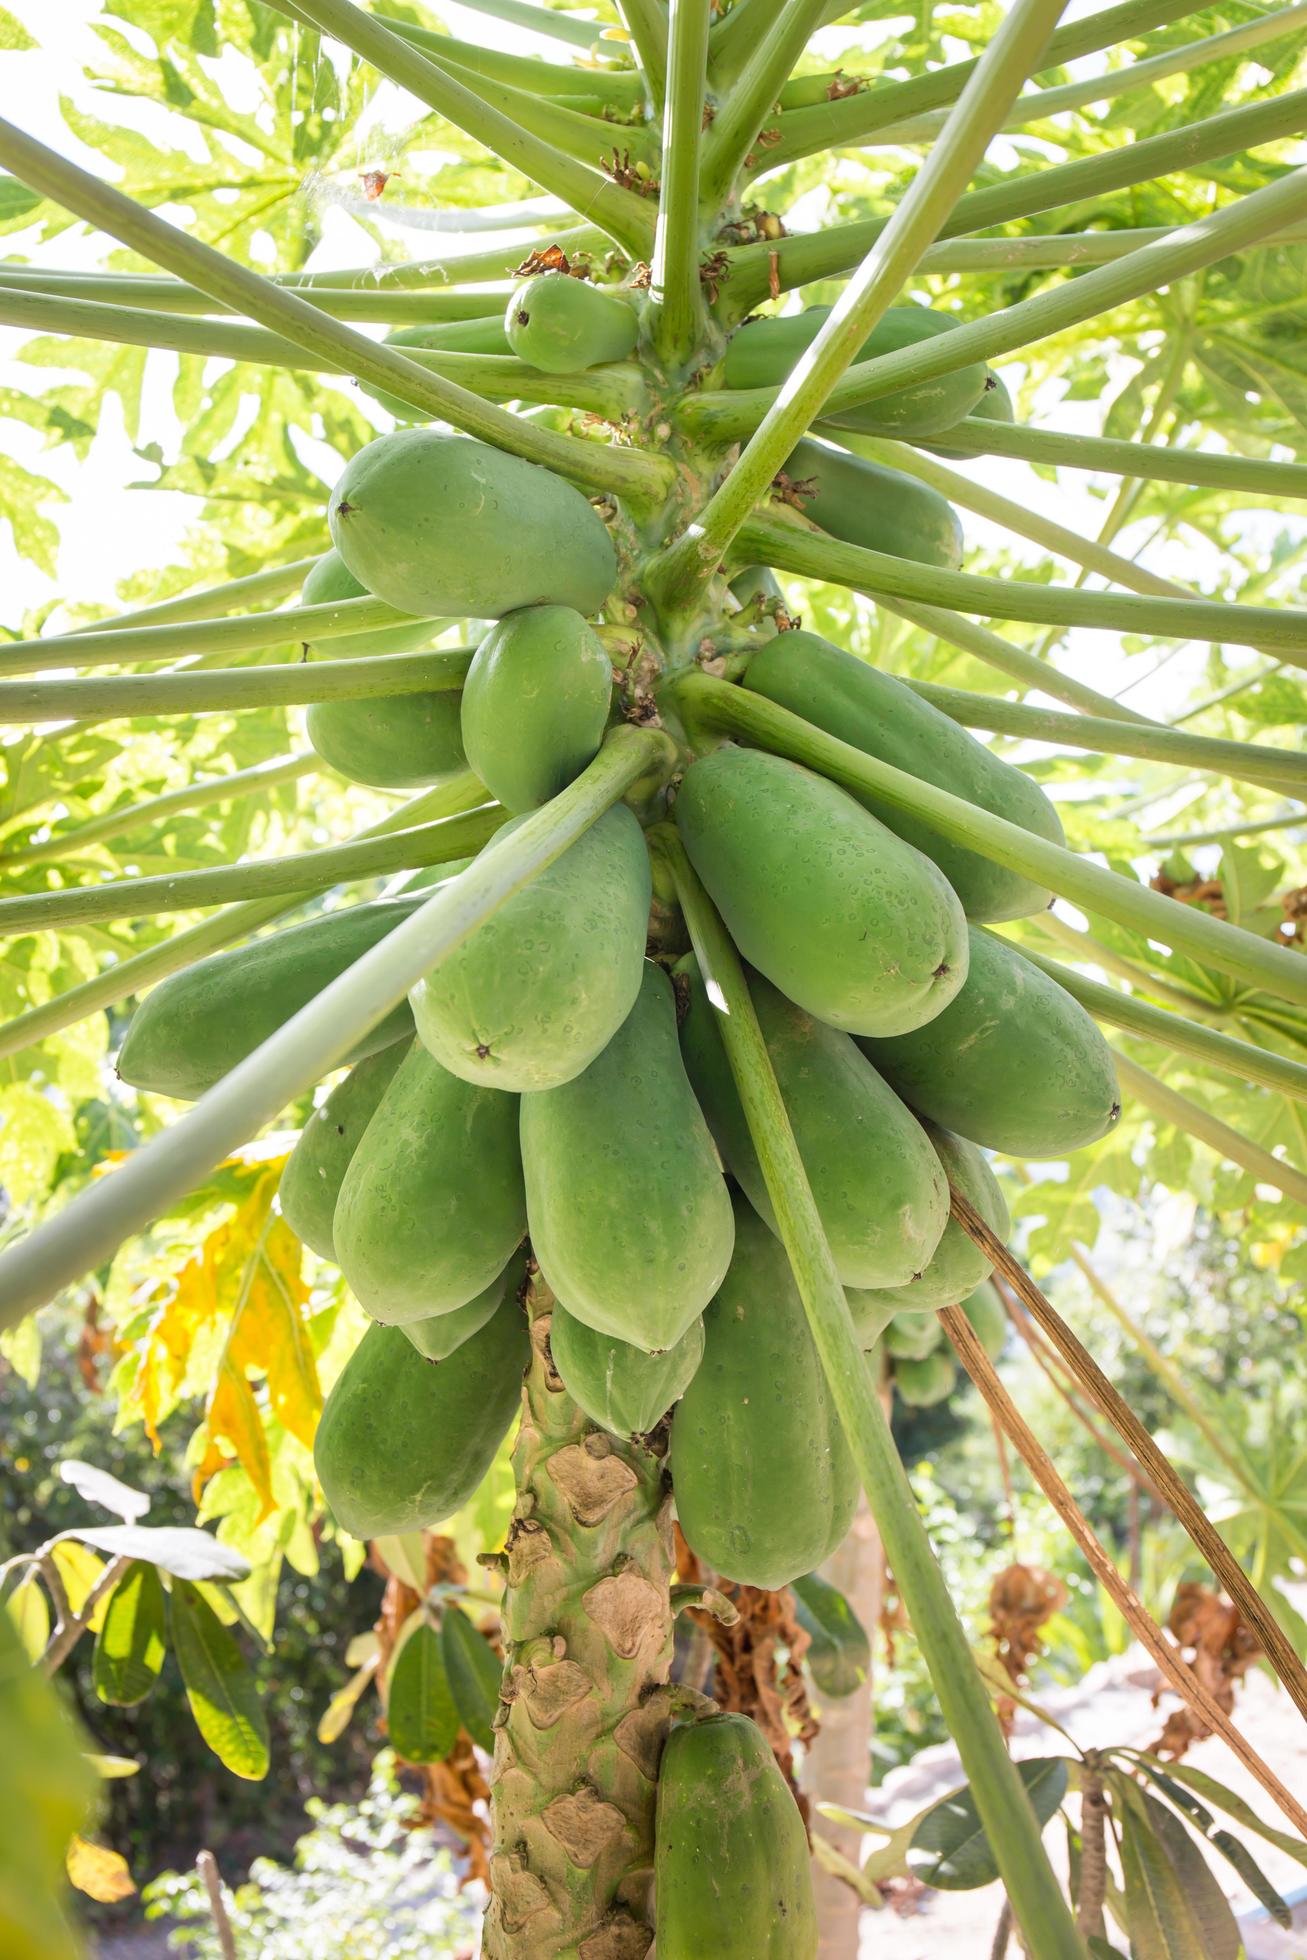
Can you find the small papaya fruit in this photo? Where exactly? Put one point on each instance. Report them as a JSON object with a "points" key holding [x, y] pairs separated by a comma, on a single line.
{"points": [[621, 1387], [867, 504], [562, 324], [439, 1334], [629, 1214], [197, 1024], [439, 524], [764, 351], [310, 1183], [431, 1207], [877, 1183], [330, 580], [1013, 1063], [925, 1382], [732, 1869], [957, 1266], [852, 923], [912, 1336], [535, 704], [995, 405], [403, 1442], [531, 997], [765, 1485], [988, 1318], [484, 336], [880, 715], [839, 1653]]}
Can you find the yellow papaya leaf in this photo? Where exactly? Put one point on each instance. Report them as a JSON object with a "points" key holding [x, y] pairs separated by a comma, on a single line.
{"points": [[99, 1872], [271, 1331], [232, 1417]]}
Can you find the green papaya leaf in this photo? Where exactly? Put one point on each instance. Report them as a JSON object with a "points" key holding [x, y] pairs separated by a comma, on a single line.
{"points": [[132, 1640], [1238, 1854], [949, 1848], [839, 1657], [220, 1687], [475, 1672], [1226, 1800], [420, 1710]]}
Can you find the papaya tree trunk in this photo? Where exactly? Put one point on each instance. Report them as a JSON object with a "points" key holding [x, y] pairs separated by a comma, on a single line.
{"points": [[587, 1646]]}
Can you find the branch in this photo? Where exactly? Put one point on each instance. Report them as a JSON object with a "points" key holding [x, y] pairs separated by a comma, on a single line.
{"points": [[69, 1627], [678, 291]]}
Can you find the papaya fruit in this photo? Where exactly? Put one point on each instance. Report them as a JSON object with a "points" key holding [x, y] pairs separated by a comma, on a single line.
{"points": [[197, 1024], [925, 1382], [403, 1442], [629, 1214], [732, 1869], [531, 997], [877, 1183], [867, 504], [535, 704], [439, 524], [995, 405], [1013, 1063], [439, 1334], [838, 1656], [621, 1387], [310, 1183], [563, 325], [485, 336], [765, 1485], [331, 580], [912, 1336], [871, 1314], [431, 1207], [872, 711], [957, 1266], [764, 351], [852, 923], [988, 1318]]}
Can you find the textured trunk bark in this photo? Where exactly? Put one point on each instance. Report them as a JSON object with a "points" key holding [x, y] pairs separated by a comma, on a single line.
{"points": [[838, 1764], [588, 1644]]}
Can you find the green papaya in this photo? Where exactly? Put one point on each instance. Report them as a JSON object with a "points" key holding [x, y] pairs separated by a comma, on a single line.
{"points": [[871, 1313], [839, 1653], [852, 923], [531, 997], [197, 1024], [439, 1334], [957, 1266], [912, 1336], [331, 580], [562, 324], [867, 504], [765, 1485], [878, 1185], [732, 1869], [438, 524], [1013, 1063], [988, 1318], [431, 1207], [629, 1214], [310, 1183], [403, 1442], [765, 350], [924, 1383], [485, 336], [880, 715], [621, 1387], [995, 405], [535, 704]]}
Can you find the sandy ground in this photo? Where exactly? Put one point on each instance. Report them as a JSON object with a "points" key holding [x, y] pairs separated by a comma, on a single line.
{"points": [[1111, 1705]]}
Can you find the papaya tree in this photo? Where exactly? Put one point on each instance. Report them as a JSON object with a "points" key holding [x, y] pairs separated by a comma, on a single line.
{"points": [[721, 962]]}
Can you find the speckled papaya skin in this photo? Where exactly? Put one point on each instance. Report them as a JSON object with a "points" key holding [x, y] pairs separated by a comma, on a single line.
{"points": [[311, 1181], [619, 1386]]}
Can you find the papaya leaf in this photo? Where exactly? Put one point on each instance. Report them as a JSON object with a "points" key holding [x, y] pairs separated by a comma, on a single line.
{"points": [[132, 1641], [100, 1873], [1234, 1806], [950, 1850], [221, 1689], [100, 1487], [475, 1673], [420, 1710]]}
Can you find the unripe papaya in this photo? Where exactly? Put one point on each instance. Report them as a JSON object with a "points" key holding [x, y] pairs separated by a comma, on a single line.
{"points": [[922, 1384], [619, 1386], [732, 1869], [197, 1024], [1013, 1063], [330, 581], [852, 923], [629, 1214], [995, 405], [912, 1336], [957, 1266], [310, 1183], [876, 713], [439, 1334], [447, 336], [562, 324], [765, 350], [431, 1207], [403, 1442], [988, 1318], [535, 704], [877, 1183], [531, 997], [765, 1485], [839, 1652], [881, 509], [438, 524]]}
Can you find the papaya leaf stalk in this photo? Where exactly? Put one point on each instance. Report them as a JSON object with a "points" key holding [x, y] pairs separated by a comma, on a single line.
{"points": [[1197, 467], [678, 318], [1163, 1101], [387, 305], [1019, 665]]}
